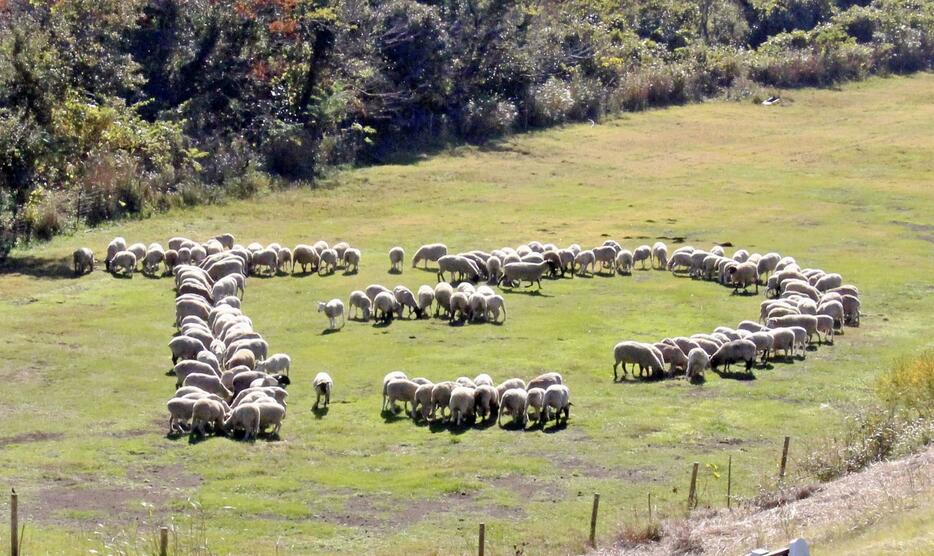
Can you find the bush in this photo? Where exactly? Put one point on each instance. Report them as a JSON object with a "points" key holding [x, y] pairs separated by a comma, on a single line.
{"points": [[488, 117], [909, 385]]}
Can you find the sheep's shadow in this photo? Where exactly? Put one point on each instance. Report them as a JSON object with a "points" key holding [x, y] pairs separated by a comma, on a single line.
{"points": [[584, 276], [382, 323], [784, 360], [350, 272], [329, 331], [485, 424], [122, 276], [513, 425], [327, 274], [557, 427], [533, 293], [270, 437], [737, 375], [320, 412], [457, 323], [262, 276], [303, 273], [40, 268], [425, 269], [437, 425], [391, 416], [394, 271], [744, 293], [149, 276]]}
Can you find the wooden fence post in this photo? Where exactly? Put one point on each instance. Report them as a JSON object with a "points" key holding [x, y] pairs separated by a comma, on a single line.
{"points": [[650, 507], [593, 520], [14, 524], [692, 494], [781, 470], [163, 541], [729, 482]]}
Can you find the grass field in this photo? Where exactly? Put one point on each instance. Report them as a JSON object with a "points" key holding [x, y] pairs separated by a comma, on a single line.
{"points": [[841, 180]]}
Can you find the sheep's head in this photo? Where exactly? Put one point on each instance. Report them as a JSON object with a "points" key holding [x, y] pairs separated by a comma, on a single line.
{"points": [[321, 306]]}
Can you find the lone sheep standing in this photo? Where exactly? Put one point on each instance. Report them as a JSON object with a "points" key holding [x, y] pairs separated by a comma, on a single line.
{"points": [[332, 309], [396, 257], [323, 384]]}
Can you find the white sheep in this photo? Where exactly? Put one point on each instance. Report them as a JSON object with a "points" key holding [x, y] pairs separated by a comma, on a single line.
{"points": [[642, 254], [244, 417], [482, 379], [698, 361], [323, 384], [426, 296], [516, 273], [270, 414], [460, 267], [635, 353], [351, 259], [460, 305], [430, 252], [210, 383], [495, 304], [276, 363], [514, 402], [207, 412], [624, 261], [328, 261], [124, 260], [407, 300], [402, 390], [583, 259], [441, 397], [443, 294], [659, 255], [390, 376], [486, 401], [332, 310], [732, 352], [396, 257], [535, 401], [385, 304], [83, 260], [783, 339], [557, 397], [305, 256], [462, 404], [358, 301]]}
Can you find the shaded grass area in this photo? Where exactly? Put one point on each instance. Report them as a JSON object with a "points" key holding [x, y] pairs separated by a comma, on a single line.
{"points": [[840, 179]]}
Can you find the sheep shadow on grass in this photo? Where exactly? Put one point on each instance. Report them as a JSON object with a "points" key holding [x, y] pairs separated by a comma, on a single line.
{"points": [[329, 331], [394, 415], [737, 375], [533, 293], [745, 293], [394, 271], [557, 427], [320, 412]]}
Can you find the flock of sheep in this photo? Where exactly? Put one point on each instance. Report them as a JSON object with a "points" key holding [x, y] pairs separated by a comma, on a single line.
{"points": [[804, 302], [226, 383], [467, 399]]}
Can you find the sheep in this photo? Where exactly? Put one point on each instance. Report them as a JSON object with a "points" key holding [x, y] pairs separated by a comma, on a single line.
{"points": [[750, 326], [833, 309], [767, 263], [139, 250], [426, 296], [510, 384], [332, 310], [393, 375], [635, 353], [358, 301], [477, 307], [305, 256], [740, 256], [545, 380], [698, 361], [529, 272], [430, 252], [190, 366], [459, 267], [351, 258], [276, 363], [514, 403], [184, 347], [385, 303], [284, 260], [115, 246], [783, 339], [170, 261], [275, 392], [340, 248], [83, 260], [180, 410], [584, 259], [674, 356], [396, 257], [207, 412], [268, 258], [232, 265], [494, 269], [460, 304], [441, 396], [210, 383], [443, 294], [242, 379], [462, 404], [850, 309], [808, 322], [323, 384], [407, 300], [495, 304], [557, 396], [742, 276], [242, 357], [641, 254], [624, 261], [679, 260], [732, 352], [245, 417], [466, 287], [465, 381], [605, 255], [486, 401], [403, 390], [535, 399], [374, 289], [659, 255], [124, 260], [763, 341], [270, 414], [801, 339], [327, 261], [825, 328]]}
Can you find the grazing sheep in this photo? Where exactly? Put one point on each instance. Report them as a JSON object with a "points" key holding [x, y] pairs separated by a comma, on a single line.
{"points": [[545, 380], [407, 300], [270, 414], [459, 266], [207, 412], [332, 310], [674, 356], [441, 396], [850, 309], [351, 260], [83, 260], [374, 289], [305, 256], [763, 341], [732, 352], [210, 383], [462, 404], [486, 401], [242, 357], [396, 257], [276, 363], [385, 304], [767, 263], [635, 353], [624, 261], [510, 384], [557, 397], [801, 339], [426, 296], [422, 405], [641, 254], [267, 258], [460, 306], [116, 245], [244, 417], [825, 328], [327, 261], [783, 339], [430, 252], [443, 294], [323, 384], [184, 347], [660, 255], [465, 381], [391, 376], [750, 326], [807, 322], [516, 273], [180, 410], [740, 256], [514, 403], [477, 307], [190, 366], [584, 259], [742, 275], [124, 260], [494, 269], [284, 260], [359, 301], [605, 255], [276, 393], [698, 361], [402, 390], [833, 309], [495, 304], [680, 261], [483, 378], [535, 400]]}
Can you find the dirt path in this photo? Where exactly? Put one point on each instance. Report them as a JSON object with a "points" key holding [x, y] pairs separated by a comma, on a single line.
{"points": [[833, 511]]}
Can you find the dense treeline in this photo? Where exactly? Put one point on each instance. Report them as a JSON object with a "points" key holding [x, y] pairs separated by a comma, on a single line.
{"points": [[123, 106]]}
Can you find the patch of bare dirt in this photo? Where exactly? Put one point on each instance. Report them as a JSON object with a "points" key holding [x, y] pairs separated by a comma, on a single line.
{"points": [[30, 437]]}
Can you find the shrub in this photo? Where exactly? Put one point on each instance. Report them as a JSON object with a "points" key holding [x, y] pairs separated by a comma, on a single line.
{"points": [[909, 385]]}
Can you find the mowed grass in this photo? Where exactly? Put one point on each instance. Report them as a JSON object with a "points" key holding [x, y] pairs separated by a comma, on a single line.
{"points": [[842, 180]]}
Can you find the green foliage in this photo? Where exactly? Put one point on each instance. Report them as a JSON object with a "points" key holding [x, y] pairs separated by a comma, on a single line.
{"points": [[909, 385], [200, 91]]}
